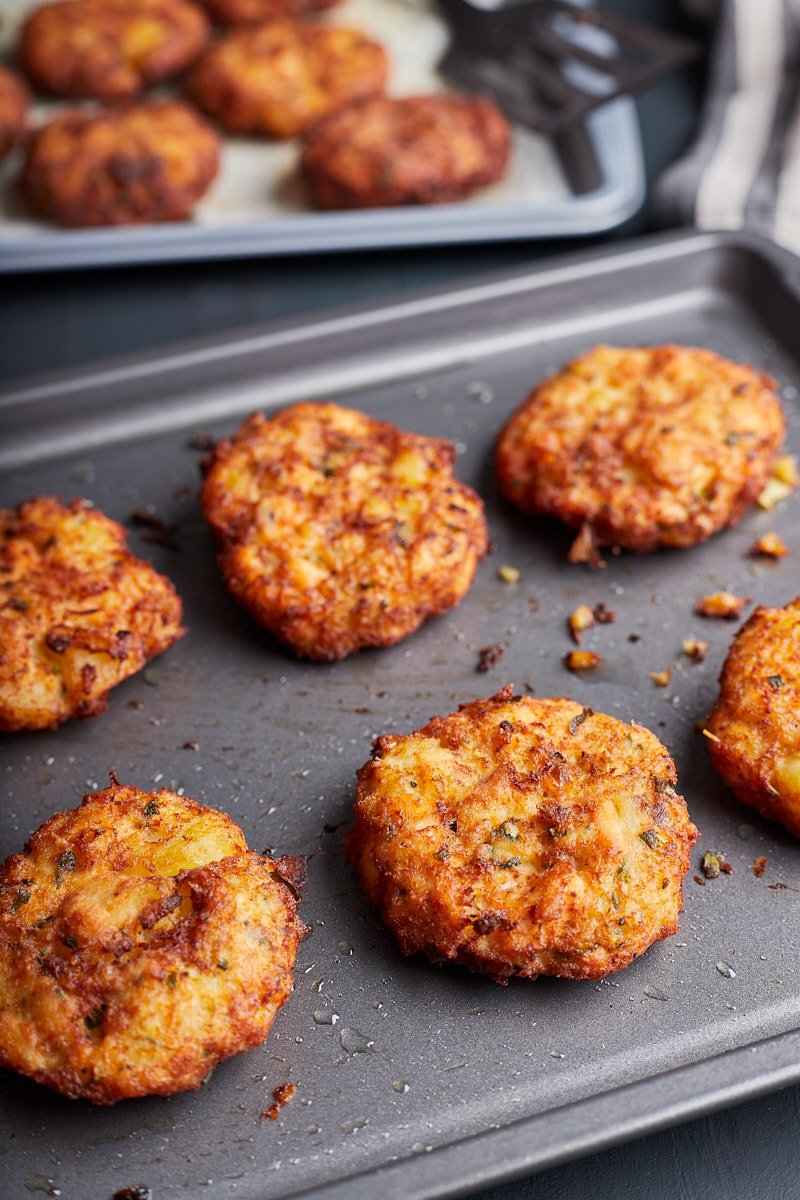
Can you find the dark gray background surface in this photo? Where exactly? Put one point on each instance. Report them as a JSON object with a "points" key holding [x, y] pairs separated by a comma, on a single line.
{"points": [[54, 321]]}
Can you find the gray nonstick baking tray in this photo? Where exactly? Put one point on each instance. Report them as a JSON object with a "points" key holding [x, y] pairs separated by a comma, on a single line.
{"points": [[414, 1081], [257, 205]]}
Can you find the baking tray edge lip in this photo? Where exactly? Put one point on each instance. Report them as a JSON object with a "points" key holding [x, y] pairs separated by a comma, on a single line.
{"points": [[471, 288], [637, 1111], [619, 196]]}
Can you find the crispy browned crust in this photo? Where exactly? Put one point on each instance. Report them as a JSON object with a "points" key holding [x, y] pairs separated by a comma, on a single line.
{"points": [[110, 49], [415, 150], [78, 612], [277, 78], [13, 110], [251, 12], [643, 447], [523, 837], [756, 721], [338, 531], [141, 943], [129, 165]]}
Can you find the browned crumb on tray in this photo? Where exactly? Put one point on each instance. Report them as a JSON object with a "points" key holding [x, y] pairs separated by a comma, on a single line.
{"points": [[723, 605], [582, 660]]}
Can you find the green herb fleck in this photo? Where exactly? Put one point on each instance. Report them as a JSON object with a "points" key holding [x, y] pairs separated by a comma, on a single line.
{"points": [[509, 829], [65, 865], [151, 808], [650, 838], [775, 681], [576, 722], [22, 897], [172, 979], [222, 964], [20, 605]]}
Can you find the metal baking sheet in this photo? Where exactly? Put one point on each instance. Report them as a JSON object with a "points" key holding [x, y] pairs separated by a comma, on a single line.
{"points": [[458, 1082], [258, 205]]}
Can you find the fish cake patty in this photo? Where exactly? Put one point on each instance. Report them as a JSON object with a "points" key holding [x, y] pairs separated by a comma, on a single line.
{"points": [[755, 724], [110, 49], [251, 12], [643, 447], [130, 165], [13, 110], [523, 837], [414, 150], [277, 78], [339, 531], [141, 943], [78, 612]]}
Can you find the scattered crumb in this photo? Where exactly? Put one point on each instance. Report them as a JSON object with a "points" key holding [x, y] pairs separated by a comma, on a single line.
{"points": [[715, 864], [582, 660], [603, 615], [509, 574], [712, 737], [137, 704], [191, 746], [661, 678], [201, 441], [694, 650], [699, 879], [584, 549], [584, 618], [160, 533], [283, 1094], [760, 865], [490, 656], [722, 604], [769, 545], [534, 604], [579, 621], [634, 637]]}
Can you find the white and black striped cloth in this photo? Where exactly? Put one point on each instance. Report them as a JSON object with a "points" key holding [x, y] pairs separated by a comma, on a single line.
{"points": [[744, 168]]}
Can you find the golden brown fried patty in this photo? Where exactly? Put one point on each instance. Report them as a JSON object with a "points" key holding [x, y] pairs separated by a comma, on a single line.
{"points": [[339, 531], [13, 110], [78, 613], [755, 725], [523, 837], [126, 166], [110, 48], [280, 77], [250, 12], [642, 448], [415, 150], [141, 943]]}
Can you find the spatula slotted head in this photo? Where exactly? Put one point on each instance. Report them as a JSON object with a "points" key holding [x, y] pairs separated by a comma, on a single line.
{"points": [[548, 63]]}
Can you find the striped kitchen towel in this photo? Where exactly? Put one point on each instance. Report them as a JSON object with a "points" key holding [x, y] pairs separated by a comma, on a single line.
{"points": [[743, 171]]}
